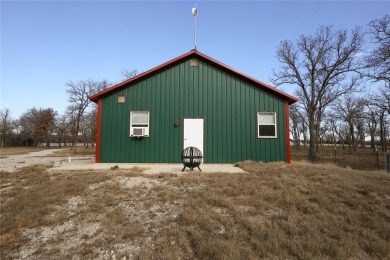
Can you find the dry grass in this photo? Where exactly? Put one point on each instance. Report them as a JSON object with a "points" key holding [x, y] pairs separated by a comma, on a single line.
{"points": [[298, 211], [29, 197], [19, 150], [362, 158], [277, 211]]}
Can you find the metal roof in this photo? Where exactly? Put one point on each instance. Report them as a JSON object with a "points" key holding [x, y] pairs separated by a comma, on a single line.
{"points": [[192, 54]]}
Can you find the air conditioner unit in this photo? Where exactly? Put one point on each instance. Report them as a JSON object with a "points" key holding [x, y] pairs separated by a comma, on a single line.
{"points": [[138, 132]]}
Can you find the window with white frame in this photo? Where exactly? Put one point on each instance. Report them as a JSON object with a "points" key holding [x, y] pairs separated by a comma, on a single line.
{"points": [[266, 125], [139, 123]]}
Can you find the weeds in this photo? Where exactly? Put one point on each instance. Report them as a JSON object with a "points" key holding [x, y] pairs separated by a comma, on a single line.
{"points": [[32, 196], [302, 211], [118, 223], [113, 168], [288, 211]]}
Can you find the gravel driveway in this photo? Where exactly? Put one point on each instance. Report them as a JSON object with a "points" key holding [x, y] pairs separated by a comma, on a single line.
{"points": [[12, 163]]}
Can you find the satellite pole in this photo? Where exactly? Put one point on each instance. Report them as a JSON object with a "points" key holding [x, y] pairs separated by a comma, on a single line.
{"points": [[195, 14]]}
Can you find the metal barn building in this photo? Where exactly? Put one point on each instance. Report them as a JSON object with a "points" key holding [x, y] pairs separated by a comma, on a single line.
{"points": [[192, 100]]}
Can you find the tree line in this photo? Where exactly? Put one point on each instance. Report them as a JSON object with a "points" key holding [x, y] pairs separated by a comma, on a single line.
{"points": [[44, 126]]}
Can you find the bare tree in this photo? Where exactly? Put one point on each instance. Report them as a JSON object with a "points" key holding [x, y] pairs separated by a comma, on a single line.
{"points": [[378, 107], [26, 125], [297, 122], [372, 122], [6, 125], [78, 97], [350, 110], [378, 61], [329, 135], [378, 70], [128, 74], [336, 130], [62, 129], [91, 125], [73, 134], [322, 132], [383, 128], [361, 130], [385, 97], [79, 102], [88, 127], [322, 67]]}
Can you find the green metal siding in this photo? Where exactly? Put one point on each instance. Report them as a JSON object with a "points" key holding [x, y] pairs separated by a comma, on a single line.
{"points": [[228, 105]]}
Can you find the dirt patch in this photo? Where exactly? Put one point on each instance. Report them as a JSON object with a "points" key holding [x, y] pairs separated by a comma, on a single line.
{"points": [[106, 219], [15, 162]]}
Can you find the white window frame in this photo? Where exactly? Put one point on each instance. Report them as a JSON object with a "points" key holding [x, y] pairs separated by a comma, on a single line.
{"points": [[135, 125], [273, 124]]}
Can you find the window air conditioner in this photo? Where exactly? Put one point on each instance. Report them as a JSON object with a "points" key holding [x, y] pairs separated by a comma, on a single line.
{"points": [[138, 132]]}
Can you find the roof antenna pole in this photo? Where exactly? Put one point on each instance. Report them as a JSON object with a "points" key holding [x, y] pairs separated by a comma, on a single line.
{"points": [[195, 14]]}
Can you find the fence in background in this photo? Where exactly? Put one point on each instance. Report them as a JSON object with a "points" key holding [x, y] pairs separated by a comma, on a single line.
{"points": [[63, 144], [366, 161]]}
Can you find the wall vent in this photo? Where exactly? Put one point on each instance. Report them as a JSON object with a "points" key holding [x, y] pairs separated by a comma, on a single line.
{"points": [[194, 62], [121, 99]]}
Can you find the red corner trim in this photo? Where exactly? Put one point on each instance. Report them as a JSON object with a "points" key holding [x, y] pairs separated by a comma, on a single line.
{"points": [[98, 131], [287, 118]]}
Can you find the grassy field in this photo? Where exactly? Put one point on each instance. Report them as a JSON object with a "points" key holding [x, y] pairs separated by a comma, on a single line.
{"points": [[276, 211], [362, 158]]}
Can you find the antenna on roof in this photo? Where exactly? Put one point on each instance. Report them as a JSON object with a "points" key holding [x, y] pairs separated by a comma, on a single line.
{"points": [[195, 14]]}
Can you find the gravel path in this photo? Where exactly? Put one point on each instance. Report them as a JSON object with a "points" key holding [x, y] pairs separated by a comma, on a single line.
{"points": [[13, 163]]}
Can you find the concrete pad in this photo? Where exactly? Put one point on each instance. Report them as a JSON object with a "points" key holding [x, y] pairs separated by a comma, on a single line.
{"points": [[150, 168]]}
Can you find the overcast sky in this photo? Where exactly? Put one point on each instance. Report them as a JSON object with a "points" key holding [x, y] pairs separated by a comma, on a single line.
{"points": [[47, 43]]}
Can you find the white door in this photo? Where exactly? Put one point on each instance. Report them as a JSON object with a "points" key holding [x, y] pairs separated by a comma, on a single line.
{"points": [[193, 133]]}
